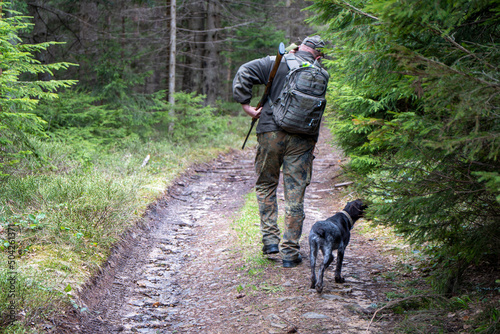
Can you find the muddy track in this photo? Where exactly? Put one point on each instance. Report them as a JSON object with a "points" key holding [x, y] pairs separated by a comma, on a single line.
{"points": [[181, 271]]}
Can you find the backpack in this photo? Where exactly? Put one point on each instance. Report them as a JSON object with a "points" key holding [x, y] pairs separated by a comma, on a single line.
{"points": [[301, 103]]}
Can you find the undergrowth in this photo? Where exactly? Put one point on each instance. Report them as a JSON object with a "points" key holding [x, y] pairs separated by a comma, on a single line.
{"points": [[414, 301]]}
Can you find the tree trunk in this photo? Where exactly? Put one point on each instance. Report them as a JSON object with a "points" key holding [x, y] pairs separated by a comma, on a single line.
{"points": [[1, 71], [192, 78], [172, 53], [88, 37], [167, 53], [211, 81], [39, 35]]}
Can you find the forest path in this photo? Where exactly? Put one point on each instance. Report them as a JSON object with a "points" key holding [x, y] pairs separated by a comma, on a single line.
{"points": [[182, 271]]}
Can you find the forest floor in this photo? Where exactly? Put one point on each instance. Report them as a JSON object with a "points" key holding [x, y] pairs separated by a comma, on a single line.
{"points": [[182, 270]]}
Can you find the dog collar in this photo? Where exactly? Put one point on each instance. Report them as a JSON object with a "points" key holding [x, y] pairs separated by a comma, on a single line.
{"points": [[348, 217]]}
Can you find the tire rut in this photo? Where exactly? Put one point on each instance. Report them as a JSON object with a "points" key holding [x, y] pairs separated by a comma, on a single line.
{"points": [[138, 290]]}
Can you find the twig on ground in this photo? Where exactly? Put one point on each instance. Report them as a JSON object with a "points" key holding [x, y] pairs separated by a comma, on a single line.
{"points": [[343, 184]]}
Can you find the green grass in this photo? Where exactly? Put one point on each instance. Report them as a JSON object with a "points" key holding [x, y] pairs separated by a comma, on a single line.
{"points": [[247, 229], [247, 225], [65, 211]]}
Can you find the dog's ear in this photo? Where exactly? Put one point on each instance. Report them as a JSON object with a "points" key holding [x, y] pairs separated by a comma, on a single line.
{"points": [[362, 203], [359, 206]]}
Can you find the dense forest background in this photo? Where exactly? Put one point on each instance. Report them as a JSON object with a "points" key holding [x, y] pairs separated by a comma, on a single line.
{"points": [[129, 58], [102, 103], [127, 44]]}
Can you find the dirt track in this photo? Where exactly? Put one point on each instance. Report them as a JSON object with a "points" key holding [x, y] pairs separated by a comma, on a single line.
{"points": [[180, 271]]}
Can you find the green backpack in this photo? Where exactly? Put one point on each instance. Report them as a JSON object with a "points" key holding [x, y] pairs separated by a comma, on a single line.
{"points": [[301, 103]]}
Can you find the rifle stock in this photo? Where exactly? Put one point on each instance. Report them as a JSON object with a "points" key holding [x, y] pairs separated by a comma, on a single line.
{"points": [[274, 70]]}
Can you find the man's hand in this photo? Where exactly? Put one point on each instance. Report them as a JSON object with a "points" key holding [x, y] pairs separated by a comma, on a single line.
{"points": [[251, 111]]}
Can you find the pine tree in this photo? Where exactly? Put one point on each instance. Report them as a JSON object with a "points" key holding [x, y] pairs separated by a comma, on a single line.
{"points": [[416, 98]]}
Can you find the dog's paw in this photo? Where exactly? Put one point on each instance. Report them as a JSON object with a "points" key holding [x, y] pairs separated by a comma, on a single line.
{"points": [[313, 283], [319, 288], [339, 279]]}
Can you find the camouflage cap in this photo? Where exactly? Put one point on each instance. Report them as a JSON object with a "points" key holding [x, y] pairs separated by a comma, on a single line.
{"points": [[314, 42]]}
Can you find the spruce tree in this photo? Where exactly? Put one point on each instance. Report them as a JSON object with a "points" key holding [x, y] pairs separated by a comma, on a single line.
{"points": [[416, 97], [18, 93]]}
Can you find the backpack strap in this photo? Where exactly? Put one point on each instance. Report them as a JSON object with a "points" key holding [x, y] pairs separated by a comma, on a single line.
{"points": [[292, 61]]}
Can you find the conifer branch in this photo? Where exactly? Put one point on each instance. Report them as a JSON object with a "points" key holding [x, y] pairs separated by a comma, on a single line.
{"points": [[462, 48], [360, 11], [451, 69]]}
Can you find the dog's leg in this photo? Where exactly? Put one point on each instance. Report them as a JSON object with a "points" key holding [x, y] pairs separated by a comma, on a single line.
{"points": [[327, 260], [313, 245], [338, 269]]}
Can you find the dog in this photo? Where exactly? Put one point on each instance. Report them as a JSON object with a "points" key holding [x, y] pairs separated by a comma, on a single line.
{"points": [[328, 235]]}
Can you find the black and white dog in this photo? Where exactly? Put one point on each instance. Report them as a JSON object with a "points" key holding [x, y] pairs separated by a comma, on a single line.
{"points": [[328, 235]]}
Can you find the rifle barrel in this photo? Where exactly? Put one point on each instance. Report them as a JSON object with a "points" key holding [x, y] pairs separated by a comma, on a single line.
{"points": [[279, 55]]}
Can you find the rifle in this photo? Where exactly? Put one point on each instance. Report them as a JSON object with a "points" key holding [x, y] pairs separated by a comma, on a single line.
{"points": [[281, 52]]}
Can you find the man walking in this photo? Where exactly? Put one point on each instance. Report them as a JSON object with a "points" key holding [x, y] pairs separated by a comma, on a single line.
{"points": [[277, 148]]}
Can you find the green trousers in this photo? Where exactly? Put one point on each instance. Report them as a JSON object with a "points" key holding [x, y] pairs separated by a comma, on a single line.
{"points": [[295, 154]]}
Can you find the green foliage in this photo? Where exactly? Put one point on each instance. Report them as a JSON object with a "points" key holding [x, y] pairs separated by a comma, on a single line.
{"points": [[78, 115], [260, 36], [247, 225], [193, 121], [81, 204], [19, 97], [488, 320], [415, 98]]}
